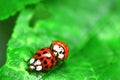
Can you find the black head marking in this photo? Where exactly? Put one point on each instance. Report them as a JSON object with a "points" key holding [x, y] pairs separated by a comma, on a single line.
{"points": [[60, 52]]}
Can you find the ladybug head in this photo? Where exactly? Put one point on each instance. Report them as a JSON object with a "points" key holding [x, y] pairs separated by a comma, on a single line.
{"points": [[60, 49]]}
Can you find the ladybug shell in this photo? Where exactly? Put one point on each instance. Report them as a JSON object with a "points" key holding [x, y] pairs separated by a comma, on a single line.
{"points": [[46, 58], [62, 44]]}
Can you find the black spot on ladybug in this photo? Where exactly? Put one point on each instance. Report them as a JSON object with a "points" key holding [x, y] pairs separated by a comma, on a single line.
{"points": [[45, 62], [41, 59], [38, 54], [52, 61], [35, 60], [46, 67], [44, 52], [63, 52]]}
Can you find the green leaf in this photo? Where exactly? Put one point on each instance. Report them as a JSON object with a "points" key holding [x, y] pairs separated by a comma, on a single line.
{"points": [[89, 31], [9, 8]]}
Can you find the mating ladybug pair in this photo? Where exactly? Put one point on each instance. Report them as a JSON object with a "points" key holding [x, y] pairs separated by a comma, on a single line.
{"points": [[46, 58]]}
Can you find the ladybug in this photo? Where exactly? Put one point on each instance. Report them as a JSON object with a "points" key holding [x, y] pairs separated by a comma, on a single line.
{"points": [[59, 49], [43, 60]]}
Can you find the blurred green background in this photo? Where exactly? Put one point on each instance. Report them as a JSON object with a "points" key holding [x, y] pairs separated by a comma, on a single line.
{"points": [[5, 33], [91, 28]]}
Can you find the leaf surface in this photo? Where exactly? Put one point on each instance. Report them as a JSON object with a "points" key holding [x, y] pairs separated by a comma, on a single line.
{"points": [[93, 43]]}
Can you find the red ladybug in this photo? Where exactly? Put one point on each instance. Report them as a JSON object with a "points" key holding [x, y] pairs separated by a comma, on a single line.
{"points": [[59, 49], [42, 60]]}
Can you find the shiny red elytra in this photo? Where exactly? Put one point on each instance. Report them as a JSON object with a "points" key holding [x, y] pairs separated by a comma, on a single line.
{"points": [[46, 58], [43, 60]]}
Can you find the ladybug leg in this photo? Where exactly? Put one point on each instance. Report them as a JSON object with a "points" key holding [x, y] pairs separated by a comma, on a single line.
{"points": [[26, 61], [31, 51], [37, 74], [28, 70]]}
